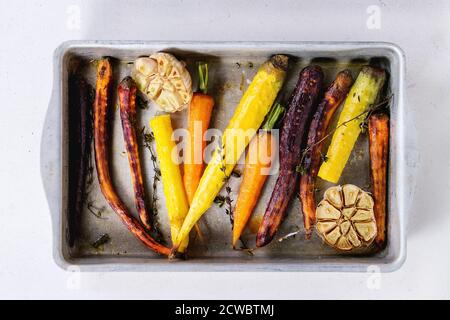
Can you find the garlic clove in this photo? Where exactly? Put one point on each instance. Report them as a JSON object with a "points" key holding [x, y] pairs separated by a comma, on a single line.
{"points": [[365, 201], [350, 193], [367, 230], [362, 215], [334, 196], [325, 227], [333, 236], [327, 211], [345, 227]]}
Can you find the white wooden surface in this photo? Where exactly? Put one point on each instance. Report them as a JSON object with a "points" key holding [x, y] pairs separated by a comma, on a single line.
{"points": [[31, 30]]}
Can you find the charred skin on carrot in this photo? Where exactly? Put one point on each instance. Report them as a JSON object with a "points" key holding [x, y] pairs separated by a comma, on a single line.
{"points": [[127, 99], [294, 128], [102, 106], [312, 155], [80, 137], [379, 152]]}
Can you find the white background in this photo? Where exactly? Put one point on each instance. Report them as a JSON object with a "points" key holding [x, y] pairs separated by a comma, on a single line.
{"points": [[31, 30]]}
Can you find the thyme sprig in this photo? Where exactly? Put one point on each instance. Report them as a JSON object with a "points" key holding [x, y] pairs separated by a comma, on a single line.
{"points": [[223, 166], [148, 139], [222, 200], [229, 202]]}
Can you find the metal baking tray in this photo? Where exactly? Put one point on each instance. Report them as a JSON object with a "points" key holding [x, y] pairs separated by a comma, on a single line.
{"points": [[232, 66]]}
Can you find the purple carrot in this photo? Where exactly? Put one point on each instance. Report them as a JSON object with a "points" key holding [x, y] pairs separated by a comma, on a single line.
{"points": [[312, 155], [127, 98], [293, 137], [80, 138]]}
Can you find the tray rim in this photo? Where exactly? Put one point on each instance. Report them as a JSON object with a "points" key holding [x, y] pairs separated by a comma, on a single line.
{"points": [[54, 188]]}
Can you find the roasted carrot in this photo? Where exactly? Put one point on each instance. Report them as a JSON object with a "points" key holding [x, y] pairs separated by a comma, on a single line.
{"points": [[363, 94], [174, 193], [334, 96], [80, 137], [257, 167], [294, 128], [102, 109], [247, 118], [127, 100], [379, 150], [199, 115]]}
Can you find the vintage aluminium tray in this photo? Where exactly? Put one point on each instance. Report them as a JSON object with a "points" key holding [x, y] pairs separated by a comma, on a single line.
{"points": [[232, 66]]}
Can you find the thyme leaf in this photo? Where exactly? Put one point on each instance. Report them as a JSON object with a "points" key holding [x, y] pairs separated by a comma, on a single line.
{"points": [[101, 240], [219, 200], [236, 173], [96, 211], [300, 169], [323, 157]]}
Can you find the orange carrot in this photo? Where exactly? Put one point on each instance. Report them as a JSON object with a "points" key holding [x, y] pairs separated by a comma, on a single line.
{"points": [[379, 153], [198, 122], [257, 167], [199, 115]]}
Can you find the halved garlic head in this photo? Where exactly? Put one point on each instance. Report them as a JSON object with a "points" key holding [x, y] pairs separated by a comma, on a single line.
{"points": [[165, 80], [345, 217]]}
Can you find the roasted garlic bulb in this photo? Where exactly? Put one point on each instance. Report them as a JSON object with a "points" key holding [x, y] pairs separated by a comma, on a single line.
{"points": [[164, 80], [345, 218]]}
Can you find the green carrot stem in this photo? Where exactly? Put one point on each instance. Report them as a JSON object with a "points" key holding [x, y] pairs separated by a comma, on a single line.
{"points": [[203, 77], [274, 115]]}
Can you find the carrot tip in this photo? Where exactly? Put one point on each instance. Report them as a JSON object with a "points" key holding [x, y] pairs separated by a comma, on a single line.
{"points": [[263, 240], [380, 244], [308, 234], [173, 254]]}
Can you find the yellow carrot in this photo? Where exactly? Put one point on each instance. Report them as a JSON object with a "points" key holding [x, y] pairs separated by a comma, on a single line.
{"points": [[176, 201], [257, 167], [362, 95], [247, 118]]}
